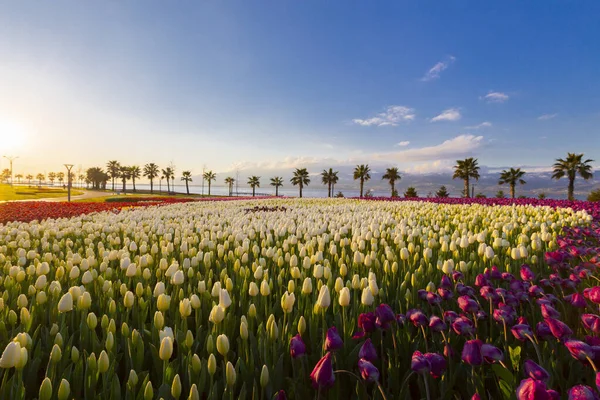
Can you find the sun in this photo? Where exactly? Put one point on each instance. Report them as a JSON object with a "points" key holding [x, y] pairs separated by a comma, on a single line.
{"points": [[12, 136]]}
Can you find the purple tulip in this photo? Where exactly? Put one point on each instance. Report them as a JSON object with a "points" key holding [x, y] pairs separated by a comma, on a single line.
{"points": [[476, 396], [419, 363], [417, 318], [579, 350], [322, 375], [491, 354], [445, 294], [445, 282], [495, 273], [437, 363], [504, 316], [433, 298], [467, 304], [368, 351], [400, 319], [450, 316], [368, 371], [521, 331], [549, 312], [598, 381], [457, 275], [591, 322], [462, 326], [436, 324], [530, 389], [542, 330], [297, 346], [535, 371], [481, 280], [464, 290], [582, 392], [594, 294], [281, 395], [333, 341], [526, 273], [367, 322], [384, 315], [576, 300], [553, 394], [559, 329], [471, 353]]}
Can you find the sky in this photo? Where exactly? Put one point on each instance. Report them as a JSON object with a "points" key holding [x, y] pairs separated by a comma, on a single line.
{"points": [[274, 85]]}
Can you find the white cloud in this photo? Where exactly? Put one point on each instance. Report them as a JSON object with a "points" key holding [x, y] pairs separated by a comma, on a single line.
{"points": [[495, 97], [435, 71], [460, 146], [403, 143], [546, 116], [484, 124], [434, 167], [451, 114], [391, 117]]}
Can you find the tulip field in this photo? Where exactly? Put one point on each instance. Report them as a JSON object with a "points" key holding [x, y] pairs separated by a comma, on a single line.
{"points": [[301, 299]]}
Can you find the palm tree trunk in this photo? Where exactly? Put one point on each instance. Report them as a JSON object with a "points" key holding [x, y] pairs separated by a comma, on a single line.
{"points": [[276, 191], [209, 187], [571, 188], [329, 190], [133, 180], [151, 187], [393, 188], [187, 188], [168, 187], [300, 190], [253, 190], [512, 191], [332, 189], [362, 182], [123, 185], [467, 194]]}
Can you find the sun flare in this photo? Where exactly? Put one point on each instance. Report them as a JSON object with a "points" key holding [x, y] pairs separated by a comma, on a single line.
{"points": [[12, 136]]}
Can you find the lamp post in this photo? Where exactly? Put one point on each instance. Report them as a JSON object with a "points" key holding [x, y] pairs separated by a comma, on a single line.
{"points": [[11, 159], [69, 166]]}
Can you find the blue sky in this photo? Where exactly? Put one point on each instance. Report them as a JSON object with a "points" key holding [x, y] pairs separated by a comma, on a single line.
{"points": [[271, 85]]}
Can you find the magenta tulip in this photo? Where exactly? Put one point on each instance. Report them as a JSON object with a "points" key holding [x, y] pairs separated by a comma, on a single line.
{"points": [[322, 375], [471, 353], [368, 371]]}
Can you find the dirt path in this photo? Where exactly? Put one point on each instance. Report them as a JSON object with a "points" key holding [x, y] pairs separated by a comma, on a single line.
{"points": [[88, 194]]}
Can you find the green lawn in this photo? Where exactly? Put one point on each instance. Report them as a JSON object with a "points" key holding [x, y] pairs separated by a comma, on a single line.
{"points": [[21, 192]]}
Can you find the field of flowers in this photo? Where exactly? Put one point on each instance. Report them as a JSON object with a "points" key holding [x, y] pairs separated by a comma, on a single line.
{"points": [[302, 299]]}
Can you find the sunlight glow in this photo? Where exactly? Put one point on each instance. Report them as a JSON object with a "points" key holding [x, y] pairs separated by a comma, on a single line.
{"points": [[12, 136]]}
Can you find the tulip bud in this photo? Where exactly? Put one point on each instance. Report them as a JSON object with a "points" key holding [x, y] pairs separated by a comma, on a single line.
{"points": [[74, 355], [344, 297], [92, 363], [133, 379], [264, 376], [223, 345], [212, 364], [252, 311], [194, 394], [66, 303], [196, 364], [129, 299], [103, 362], [302, 325], [148, 391], [244, 330], [45, 389], [55, 354], [176, 385], [64, 390], [230, 374], [110, 341], [166, 348]]}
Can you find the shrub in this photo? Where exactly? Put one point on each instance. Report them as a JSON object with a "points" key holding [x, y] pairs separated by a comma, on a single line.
{"points": [[594, 195]]}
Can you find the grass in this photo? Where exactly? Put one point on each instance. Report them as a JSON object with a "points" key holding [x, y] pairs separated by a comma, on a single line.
{"points": [[140, 193], [21, 192]]}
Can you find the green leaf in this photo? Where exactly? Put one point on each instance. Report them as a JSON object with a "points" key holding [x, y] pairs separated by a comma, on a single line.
{"points": [[515, 356]]}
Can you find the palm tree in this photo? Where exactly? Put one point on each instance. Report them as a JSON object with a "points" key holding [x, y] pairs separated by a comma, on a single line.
{"points": [[570, 167], [151, 171], [209, 176], [51, 177], [97, 177], [60, 176], [327, 179], [277, 181], [362, 172], [511, 177], [392, 175], [333, 176], [230, 181], [187, 177], [167, 174], [300, 179], [466, 169], [124, 175], [40, 178], [254, 182], [81, 179], [134, 173], [29, 177], [19, 176], [114, 171]]}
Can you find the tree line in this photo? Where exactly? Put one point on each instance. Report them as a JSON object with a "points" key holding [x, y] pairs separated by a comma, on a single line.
{"points": [[467, 170]]}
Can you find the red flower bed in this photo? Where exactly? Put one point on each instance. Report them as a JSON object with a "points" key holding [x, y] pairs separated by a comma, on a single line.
{"points": [[26, 211]]}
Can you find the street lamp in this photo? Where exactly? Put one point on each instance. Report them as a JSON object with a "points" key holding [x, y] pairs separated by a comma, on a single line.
{"points": [[69, 166], [11, 168]]}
